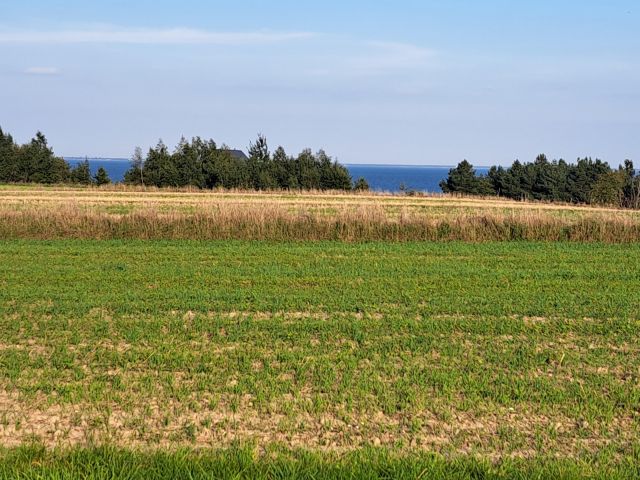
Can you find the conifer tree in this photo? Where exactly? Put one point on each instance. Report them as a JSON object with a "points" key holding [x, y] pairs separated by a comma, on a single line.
{"points": [[102, 177], [81, 174]]}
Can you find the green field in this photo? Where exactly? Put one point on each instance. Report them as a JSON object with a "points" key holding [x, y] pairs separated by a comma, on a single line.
{"points": [[498, 358]]}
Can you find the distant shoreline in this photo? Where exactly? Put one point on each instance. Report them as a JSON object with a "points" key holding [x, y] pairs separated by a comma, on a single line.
{"points": [[372, 165]]}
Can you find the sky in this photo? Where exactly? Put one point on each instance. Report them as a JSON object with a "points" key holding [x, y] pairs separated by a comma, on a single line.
{"points": [[427, 82]]}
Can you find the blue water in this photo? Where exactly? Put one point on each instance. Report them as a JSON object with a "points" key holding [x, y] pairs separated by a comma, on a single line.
{"points": [[115, 167], [391, 178], [380, 177]]}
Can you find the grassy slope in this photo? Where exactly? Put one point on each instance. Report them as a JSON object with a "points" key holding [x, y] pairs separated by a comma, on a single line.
{"points": [[494, 350]]}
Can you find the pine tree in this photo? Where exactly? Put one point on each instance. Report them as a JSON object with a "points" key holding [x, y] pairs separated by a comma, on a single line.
{"points": [[8, 158], [461, 179], [361, 185], [37, 163], [102, 177], [81, 174], [160, 168]]}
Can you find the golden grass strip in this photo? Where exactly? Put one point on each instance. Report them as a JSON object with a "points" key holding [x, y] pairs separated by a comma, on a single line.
{"points": [[278, 222], [121, 193]]}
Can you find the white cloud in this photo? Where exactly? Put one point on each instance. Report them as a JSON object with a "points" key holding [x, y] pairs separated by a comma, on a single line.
{"points": [[148, 36], [389, 56], [42, 71], [370, 59]]}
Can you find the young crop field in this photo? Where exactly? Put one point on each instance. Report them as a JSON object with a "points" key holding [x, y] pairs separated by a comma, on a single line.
{"points": [[289, 359]]}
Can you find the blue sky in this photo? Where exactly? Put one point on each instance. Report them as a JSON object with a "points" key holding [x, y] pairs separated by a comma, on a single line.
{"points": [[406, 82]]}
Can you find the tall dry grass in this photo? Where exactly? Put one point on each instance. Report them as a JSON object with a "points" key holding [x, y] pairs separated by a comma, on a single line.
{"points": [[268, 221]]}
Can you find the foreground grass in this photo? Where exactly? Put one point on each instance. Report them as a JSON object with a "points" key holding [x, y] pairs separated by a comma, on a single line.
{"points": [[481, 353], [237, 463]]}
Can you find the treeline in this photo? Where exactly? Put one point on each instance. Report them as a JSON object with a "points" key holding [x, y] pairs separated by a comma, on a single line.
{"points": [[586, 181], [200, 163], [35, 162]]}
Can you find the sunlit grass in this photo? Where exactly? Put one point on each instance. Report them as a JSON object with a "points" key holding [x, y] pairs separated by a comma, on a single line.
{"points": [[164, 214], [133, 346], [240, 463], [482, 349]]}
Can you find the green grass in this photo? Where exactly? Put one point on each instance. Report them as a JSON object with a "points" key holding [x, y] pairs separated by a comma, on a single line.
{"points": [[497, 279], [479, 353], [240, 463]]}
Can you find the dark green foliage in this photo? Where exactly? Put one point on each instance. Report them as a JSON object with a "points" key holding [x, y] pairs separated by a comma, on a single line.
{"points": [[586, 181], [222, 170], [631, 189], [8, 156], [189, 158], [361, 185], [582, 177], [199, 163], [102, 177], [609, 189], [202, 164], [332, 175], [32, 162], [81, 174], [160, 168], [463, 179]]}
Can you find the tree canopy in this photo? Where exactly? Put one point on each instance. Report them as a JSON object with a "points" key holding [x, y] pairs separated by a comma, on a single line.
{"points": [[31, 162], [198, 163], [201, 163], [586, 181]]}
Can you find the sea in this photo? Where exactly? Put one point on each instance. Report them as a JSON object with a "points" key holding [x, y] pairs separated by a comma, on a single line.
{"points": [[382, 178]]}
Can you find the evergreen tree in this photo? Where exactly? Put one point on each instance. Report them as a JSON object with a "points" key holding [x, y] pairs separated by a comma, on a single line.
{"points": [[223, 170], [581, 178], [259, 165], [81, 174], [307, 171], [545, 182], [8, 158], [102, 177], [361, 185], [333, 176], [37, 163], [188, 159], [463, 179], [283, 169], [160, 168]]}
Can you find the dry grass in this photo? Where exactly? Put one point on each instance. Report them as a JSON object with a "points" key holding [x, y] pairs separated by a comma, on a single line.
{"points": [[154, 423], [125, 213]]}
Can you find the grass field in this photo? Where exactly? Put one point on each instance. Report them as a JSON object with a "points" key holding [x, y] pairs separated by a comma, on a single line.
{"points": [[488, 350], [295, 359], [128, 213]]}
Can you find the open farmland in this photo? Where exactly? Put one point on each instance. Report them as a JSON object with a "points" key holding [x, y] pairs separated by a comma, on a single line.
{"points": [[237, 357], [129, 213]]}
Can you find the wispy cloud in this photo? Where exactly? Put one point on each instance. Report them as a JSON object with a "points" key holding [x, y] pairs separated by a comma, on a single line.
{"points": [[369, 59], [386, 56], [42, 71], [148, 36]]}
